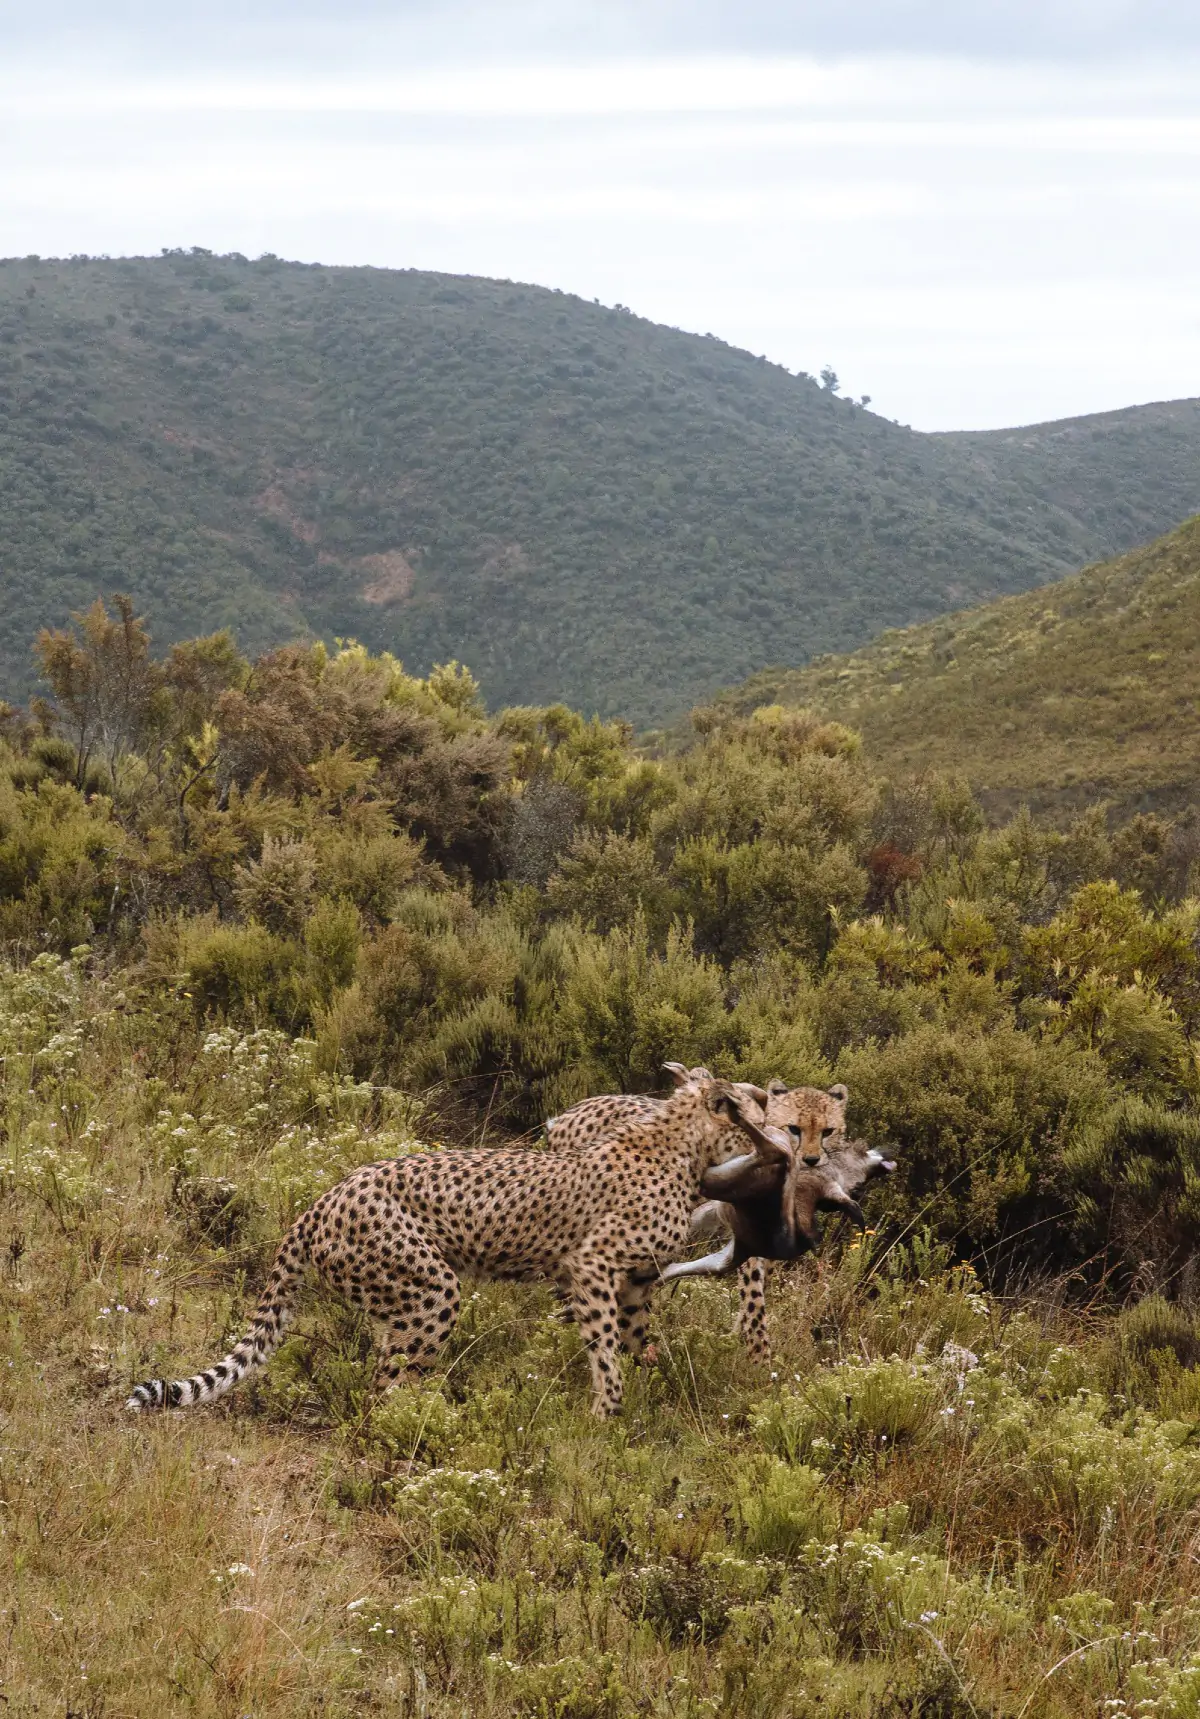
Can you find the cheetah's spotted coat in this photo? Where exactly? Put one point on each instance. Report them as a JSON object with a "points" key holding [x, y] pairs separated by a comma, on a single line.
{"points": [[394, 1236]]}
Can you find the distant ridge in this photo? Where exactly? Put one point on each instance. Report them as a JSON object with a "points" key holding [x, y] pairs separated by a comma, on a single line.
{"points": [[581, 504], [1084, 690]]}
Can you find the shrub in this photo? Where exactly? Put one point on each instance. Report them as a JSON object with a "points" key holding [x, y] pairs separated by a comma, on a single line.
{"points": [[243, 970], [758, 895], [606, 878], [569, 1688], [1132, 1178], [782, 1507], [332, 940], [541, 824], [853, 1411], [64, 864], [277, 887], [691, 1600], [1153, 1326], [627, 1006], [979, 1121], [369, 870], [440, 957]]}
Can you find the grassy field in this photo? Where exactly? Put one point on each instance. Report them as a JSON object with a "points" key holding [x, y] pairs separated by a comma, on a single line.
{"points": [[937, 1502]]}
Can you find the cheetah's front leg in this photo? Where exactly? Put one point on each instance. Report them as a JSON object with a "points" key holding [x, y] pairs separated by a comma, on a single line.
{"points": [[597, 1313], [633, 1300], [751, 1322]]}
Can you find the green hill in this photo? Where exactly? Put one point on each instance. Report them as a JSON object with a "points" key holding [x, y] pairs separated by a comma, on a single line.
{"points": [[1082, 690], [579, 503]]}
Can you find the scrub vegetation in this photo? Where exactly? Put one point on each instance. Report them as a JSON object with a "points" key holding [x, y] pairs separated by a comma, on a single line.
{"points": [[266, 920]]}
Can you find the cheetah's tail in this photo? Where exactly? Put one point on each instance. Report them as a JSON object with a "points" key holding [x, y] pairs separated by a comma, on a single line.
{"points": [[272, 1314]]}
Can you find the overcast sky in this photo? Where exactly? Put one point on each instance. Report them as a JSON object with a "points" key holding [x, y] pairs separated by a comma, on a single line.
{"points": [[980, 214]]}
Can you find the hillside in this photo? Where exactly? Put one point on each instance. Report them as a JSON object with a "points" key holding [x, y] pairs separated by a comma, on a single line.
{"points": [[579, 503], [1081, 690]]}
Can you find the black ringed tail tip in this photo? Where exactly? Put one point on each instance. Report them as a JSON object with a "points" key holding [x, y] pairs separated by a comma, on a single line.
{"points": [[151, 1395]]}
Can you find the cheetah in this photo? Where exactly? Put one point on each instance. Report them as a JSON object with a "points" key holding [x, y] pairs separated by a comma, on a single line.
{"points": [[814, 1119], [394, 1236], [773, 1220]]}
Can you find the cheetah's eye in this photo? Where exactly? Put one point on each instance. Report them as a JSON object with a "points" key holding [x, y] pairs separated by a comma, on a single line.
{"points": [[826, 1132]]}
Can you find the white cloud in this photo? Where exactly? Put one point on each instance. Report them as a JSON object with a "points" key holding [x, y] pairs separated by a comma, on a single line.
{"points": [[971, 242]]}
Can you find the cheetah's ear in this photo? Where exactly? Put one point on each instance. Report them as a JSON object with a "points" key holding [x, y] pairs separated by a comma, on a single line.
{"points": [[841, 1093], [776, 1088]]}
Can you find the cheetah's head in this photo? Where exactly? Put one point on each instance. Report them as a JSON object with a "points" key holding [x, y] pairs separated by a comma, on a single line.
{"points": [[813, 1117]]}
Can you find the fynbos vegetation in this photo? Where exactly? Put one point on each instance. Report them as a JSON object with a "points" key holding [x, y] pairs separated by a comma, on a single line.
{"points": [[266, 921]]}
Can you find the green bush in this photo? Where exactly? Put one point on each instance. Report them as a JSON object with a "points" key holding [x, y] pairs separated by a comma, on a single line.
{"points": [[243, 970], [504, 914], [277, 887], [1155, 1326], [1132, 1177], [783, 1506], [980, 1121], [626, 1006]]}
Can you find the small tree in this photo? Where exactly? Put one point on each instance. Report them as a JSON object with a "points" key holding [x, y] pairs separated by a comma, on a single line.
{"points": [[103, 680], [829, 380]]}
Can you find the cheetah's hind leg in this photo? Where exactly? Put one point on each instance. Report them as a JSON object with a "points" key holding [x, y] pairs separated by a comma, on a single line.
{"points": [[594, 1297], [414, 1309]]}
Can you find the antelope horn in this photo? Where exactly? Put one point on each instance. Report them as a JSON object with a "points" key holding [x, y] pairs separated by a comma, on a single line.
{"points": [[677, 1072]]}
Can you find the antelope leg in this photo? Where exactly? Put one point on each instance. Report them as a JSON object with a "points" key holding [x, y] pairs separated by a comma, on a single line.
{"points": [[710, 1218], [720, 1264]]}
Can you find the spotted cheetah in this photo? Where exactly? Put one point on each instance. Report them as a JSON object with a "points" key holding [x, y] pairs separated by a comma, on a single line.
{"points": [[815, 1119], [393, 1237], [595, 1119]]}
